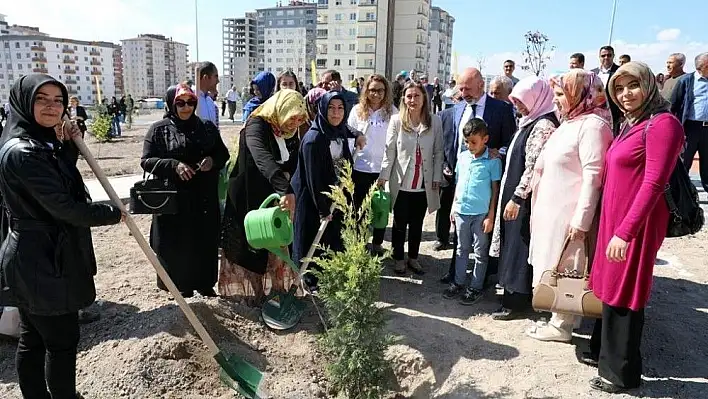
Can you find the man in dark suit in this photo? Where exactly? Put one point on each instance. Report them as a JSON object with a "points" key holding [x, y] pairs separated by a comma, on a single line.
{"points": [[476, 104], [605, 71], [689, 103]]}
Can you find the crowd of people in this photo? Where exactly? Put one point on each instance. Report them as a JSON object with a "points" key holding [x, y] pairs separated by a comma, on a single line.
{"points": [[519, 171]]}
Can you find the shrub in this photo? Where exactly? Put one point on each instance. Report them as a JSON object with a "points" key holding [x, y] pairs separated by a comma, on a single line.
{"points": [[101, 126], [356, 341]]}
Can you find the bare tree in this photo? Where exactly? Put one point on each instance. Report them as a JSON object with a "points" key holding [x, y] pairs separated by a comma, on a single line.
{"points": [[481, 61], [536, 55]]}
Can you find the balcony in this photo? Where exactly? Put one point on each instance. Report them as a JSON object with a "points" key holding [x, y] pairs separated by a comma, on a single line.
{"points": [[39, 59], [422, 11], [420, 40], [366, 52], [364, 66], [40, 70], [322, 35], [38, 47], [94, 52], [367, 2], [95, 62], [420, 25], [67, 50], [70, 81], [365, 35], [69, 71], [69, 61]]}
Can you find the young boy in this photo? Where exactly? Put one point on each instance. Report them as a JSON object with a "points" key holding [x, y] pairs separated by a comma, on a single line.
{"points": [[473, 207]]}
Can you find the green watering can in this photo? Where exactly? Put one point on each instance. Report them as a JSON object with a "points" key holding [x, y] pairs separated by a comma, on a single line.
{"points": [[380, 208], [270, 228]]}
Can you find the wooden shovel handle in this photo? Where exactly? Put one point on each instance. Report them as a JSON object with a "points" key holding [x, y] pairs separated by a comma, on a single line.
{"points": [[152, 257]]}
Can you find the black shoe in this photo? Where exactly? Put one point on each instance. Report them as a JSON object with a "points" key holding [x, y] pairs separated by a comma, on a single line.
{"points": [[86, 316], [447, 279], [441, 246], [471, 296], [588, 358], [503, 314], [604, 386], [187, 294], [452, 291], [208, 292]]}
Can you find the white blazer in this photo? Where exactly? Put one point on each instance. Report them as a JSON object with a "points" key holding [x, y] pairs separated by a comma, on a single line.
{"points": [[400, 151]]}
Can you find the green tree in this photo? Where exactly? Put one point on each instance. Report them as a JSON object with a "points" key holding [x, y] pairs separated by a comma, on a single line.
{"points": [[356, 341]]}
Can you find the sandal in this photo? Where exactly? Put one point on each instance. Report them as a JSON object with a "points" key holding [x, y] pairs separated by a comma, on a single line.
{"points": [[548, 332]]}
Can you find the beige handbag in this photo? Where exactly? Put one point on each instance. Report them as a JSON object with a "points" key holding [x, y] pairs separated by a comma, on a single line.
{"points": [[564, 289]]}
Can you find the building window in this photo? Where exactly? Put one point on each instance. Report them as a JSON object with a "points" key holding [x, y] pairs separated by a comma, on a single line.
{"points": [[279, 13], [291, 22], [280, 22], [351, 77], [352, 31], [352, 2], [336, 62], [352, 47], [337, 47], [19, 66], [352, 16], [370, 16], [337, 17], [351, 62]]}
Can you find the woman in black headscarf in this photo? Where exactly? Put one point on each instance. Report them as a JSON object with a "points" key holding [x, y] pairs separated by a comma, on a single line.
{"points": [[47, 262], [188, 152], [322, 153]]}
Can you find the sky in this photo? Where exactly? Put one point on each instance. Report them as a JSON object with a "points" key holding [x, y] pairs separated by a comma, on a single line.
{"points": [[490, 31]]}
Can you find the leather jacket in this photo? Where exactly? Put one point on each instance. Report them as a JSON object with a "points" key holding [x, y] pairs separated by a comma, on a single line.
{"points": [[47, 261]]}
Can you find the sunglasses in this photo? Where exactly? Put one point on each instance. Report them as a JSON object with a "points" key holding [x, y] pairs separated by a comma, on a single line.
{"points": [[183, 103]]}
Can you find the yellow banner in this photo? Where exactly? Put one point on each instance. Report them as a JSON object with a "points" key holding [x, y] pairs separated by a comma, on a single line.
{"points": [[98, 89]]}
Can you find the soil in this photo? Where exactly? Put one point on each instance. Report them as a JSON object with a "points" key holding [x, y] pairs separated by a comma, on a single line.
{"points": [[143, 346]]}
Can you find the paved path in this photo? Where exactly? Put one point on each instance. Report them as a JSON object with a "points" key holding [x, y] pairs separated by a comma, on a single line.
{"points": [[121, 184]]}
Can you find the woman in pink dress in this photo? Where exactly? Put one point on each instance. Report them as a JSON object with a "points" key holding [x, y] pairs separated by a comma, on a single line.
{"points": [[568, 174], [633, 222]]}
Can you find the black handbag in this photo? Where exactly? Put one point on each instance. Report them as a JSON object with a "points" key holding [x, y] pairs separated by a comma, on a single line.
{"points": [[154, 196], [685, 212]]}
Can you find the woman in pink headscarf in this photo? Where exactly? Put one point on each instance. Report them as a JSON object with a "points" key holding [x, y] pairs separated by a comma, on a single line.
{"points": [[533, 99], [568, 175]]}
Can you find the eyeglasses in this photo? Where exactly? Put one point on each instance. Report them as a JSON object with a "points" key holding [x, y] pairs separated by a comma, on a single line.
{"points": [[377, 91], [49, 102], [182, 103]]}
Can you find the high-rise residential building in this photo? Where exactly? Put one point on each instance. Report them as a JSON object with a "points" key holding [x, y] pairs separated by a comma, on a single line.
{"points": [[151, 64], [240, 51], [355, 37], [118, 70], [410, 35], [75, 63], [286, 38], [440, 44]]}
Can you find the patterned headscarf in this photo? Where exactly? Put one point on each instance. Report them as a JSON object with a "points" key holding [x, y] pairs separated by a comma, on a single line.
{"points": [[653, 101], [537, 97], [281, 107], [583, 94]]}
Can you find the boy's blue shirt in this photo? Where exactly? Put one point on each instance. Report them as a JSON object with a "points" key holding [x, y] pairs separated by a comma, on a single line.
{"points": [[474, 177]]}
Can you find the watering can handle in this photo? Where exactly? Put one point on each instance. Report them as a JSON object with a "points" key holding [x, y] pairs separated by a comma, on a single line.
{"points": [[269, 199]]}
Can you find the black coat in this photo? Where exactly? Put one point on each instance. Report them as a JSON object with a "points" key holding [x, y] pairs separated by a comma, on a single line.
{"points": [[48, 261], [256, 175], [188, 241]]}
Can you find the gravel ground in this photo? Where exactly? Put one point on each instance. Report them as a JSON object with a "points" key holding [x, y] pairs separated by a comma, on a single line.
{"points": [[143, 346]]}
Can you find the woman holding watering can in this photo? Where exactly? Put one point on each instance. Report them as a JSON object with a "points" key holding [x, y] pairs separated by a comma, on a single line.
{"points": [[258, 172]]}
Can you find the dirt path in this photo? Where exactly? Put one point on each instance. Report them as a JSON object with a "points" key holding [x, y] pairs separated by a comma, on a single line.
{"points": [[144, 348]]}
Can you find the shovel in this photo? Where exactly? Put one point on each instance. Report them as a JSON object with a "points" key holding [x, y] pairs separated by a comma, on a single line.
{"points": [[235, 372]]}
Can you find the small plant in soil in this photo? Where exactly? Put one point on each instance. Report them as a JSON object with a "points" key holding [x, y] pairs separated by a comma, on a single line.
{"points": [[101, 126], [356, 341]]}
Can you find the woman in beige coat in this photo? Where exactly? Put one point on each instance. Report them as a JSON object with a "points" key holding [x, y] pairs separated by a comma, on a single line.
{"points": [[412, 165], [568, 176]]}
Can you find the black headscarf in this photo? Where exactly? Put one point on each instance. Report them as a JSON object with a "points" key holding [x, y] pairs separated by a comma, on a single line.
{"points": [[171, 112], [321, 123], [22, 121]]}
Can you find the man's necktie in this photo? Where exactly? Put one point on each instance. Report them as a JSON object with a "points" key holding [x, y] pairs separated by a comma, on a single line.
{"points": [[474, 110], [463, 147]]}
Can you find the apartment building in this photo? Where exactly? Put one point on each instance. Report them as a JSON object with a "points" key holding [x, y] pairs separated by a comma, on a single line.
{"points": [[411, 35], [440, 44], [75, 63], [4, 27], [151, 64], [240, 51], [286, 39], [355, 37], [118, 70]]}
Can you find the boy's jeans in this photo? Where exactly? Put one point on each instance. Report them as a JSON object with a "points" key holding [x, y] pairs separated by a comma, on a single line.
{"points": [[471, 232]]}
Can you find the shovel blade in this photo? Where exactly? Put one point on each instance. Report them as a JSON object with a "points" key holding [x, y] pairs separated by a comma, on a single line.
{"points": [[240, 376], [282, 310]]}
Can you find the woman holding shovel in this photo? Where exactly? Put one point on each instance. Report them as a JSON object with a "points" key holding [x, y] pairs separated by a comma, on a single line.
{"points": [[260, 170], [47, 261]]}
